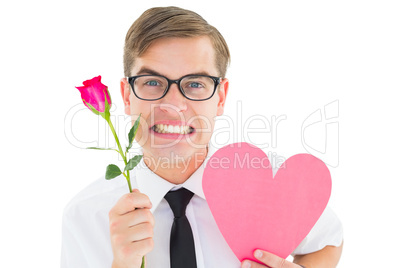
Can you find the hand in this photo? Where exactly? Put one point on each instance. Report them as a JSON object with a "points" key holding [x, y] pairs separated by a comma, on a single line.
{"points": [[131, 229], [271, 260]]}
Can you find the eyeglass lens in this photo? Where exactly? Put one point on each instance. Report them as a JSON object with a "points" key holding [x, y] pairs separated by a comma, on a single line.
{"points": [[194, 87]]}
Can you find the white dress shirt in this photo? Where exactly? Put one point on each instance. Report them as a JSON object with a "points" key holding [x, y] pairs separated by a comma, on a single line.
{"points": [[85, 232]]}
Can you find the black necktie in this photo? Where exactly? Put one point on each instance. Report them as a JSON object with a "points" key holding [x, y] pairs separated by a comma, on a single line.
{"points": [[182, 251]]}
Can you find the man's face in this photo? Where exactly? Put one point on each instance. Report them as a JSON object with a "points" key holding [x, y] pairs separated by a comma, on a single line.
{"points": [[175, 58]]}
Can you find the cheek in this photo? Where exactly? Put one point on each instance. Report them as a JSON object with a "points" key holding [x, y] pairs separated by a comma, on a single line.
{"points": [[205, 117], [140, 107], [135, 105]]}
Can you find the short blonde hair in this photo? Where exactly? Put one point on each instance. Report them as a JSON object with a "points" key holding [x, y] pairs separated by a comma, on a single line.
{"points": [[164, 22]]}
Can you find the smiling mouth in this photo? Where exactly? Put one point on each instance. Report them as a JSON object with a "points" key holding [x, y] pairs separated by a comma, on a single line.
{"points": [[170, 129]]}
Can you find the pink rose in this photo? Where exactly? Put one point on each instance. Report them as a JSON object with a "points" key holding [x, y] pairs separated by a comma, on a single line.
{"points": [[93, 92]]}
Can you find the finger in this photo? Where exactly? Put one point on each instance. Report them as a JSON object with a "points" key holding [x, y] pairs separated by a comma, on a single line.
{"points": [[133, 252], [129, 202], [252, 264], [121, 222], [140, 232], [141, 215], [135, 234], [272, 260], [143, 247]]}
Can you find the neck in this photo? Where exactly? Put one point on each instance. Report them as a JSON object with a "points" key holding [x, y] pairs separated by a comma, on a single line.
{"points": [[176, 169]]}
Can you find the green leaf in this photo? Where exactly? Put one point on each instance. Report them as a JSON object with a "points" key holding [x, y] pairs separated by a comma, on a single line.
{"points": [[97, 148], [133, 162], [133, 132], [112, 171]]}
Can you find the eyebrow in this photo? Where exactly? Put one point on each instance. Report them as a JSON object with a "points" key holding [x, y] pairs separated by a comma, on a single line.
{"points": [[146, 70]]}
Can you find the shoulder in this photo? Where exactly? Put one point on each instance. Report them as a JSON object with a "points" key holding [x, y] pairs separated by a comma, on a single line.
{"points": [[100, 195], [85, 225], [327, 231]]}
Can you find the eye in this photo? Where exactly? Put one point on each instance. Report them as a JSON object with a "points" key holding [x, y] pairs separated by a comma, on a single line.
{"points": [[152, 83], [195, 85]]}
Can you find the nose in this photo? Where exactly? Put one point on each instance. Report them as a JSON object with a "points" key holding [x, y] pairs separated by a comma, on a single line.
{"points": [[173, 101]]}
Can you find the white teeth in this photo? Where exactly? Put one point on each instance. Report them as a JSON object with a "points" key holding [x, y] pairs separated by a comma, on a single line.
{"points": [[162, 128]]}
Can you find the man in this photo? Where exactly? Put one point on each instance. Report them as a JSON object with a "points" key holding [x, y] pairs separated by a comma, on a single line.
{"points": [[175, 65]]}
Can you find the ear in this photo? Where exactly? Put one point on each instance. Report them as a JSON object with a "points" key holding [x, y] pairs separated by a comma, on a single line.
{"points": [[222, 92], [125, 91]]}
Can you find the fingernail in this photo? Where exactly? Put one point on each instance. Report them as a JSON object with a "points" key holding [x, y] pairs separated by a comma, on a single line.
{"points": [[246, 264], [258, 253]]}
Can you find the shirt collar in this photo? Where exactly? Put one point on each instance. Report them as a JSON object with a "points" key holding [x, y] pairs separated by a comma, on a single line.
{"points": [[155, 187]]}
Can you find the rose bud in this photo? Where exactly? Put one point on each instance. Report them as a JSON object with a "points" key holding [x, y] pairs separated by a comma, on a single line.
{"points": [[93, 94]]}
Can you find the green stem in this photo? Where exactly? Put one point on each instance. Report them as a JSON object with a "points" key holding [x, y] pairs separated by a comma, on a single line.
{"points": [[128, 180], [107, 118], [128, 177]]}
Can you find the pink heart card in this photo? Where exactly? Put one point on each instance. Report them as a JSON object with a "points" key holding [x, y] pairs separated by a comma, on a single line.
{"points": [[253, 209]]}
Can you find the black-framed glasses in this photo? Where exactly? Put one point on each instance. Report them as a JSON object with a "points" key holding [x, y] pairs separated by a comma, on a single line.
{"points": [[193, 87]]}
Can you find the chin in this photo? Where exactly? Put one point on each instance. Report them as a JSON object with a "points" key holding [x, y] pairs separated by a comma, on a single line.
{"points": [[176, 149]]}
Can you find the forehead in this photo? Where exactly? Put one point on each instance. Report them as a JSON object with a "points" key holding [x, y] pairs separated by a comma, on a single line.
{"points": [[175, 57]]}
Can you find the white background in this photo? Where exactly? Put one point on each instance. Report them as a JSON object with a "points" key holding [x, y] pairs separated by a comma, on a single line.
{"points": [[288, 58]]}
